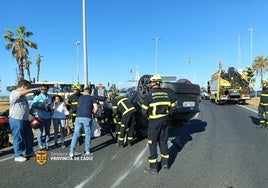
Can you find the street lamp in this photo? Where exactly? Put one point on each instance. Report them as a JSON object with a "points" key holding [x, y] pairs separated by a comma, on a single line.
{"points": [[156, 60], [85, 43], [239, 52], [77, 43], [250, 30]]}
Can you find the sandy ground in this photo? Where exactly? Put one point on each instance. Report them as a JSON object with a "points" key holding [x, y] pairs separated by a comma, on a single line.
{"points": [[254, 101], [3, 106]]}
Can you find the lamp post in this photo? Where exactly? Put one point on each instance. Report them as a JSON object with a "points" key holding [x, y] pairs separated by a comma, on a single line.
{"points": [[239, 52], [77, 43], [250, 30], [85, 43], [72, 68], [110, 77], [156, 58]]}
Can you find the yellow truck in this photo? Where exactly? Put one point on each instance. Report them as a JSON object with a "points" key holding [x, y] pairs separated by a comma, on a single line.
{"points": [[230, 86]]}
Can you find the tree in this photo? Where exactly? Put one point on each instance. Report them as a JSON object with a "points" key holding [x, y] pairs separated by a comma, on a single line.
{"points": [[38, 62], [26, 65], [18, 42], [260, 65]]}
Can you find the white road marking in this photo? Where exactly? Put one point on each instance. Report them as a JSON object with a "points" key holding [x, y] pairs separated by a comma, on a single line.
{"points": [[7, 158], [136, 164], [248, 108], [98, 170], [35, 148]]}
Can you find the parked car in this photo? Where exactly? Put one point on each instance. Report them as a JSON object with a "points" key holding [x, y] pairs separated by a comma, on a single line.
{"points": [[204, 95]]}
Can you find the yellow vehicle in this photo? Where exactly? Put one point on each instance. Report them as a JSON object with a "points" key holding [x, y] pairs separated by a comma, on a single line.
{"points": [[231, 86]]}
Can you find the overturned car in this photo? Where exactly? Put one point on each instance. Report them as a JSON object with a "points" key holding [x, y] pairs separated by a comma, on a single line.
{"points": [[182, 92]]}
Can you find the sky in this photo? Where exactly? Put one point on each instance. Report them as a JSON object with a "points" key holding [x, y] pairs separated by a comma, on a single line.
{"points": [[121, 33]]}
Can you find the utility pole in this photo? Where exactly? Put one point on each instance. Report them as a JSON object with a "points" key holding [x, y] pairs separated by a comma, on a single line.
{"points": [[77, 43], [137, 76], [239, 52], [156, 57], [251, 31], [85, 44]]}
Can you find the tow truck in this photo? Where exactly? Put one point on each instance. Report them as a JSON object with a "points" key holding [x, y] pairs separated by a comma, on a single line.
{"points": [[230, 86]]}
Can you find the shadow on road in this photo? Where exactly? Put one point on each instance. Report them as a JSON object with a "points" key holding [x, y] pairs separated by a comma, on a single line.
{"points": [[181, 135], [254, 120], [103, 145]]}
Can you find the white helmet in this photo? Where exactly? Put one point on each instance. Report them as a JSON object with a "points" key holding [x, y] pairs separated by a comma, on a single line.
{"points": [[156, 78], [265, 81]]}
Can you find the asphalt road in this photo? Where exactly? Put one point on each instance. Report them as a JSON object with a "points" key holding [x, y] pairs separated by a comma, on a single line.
{"points": [[220, 147]]}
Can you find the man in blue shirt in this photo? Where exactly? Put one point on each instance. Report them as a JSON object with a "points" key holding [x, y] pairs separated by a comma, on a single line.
{"points": [[87, 107], [41, 105]]}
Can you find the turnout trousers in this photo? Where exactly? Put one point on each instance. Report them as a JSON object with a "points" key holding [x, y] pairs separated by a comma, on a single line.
{"points": [[158, 133], [263, 115], [127, 127]]}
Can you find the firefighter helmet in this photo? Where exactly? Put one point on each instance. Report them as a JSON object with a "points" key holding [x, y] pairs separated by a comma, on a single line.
{"points": [[112, 95], [265, 81], [156, 78], [77, 86], [36, 122]]}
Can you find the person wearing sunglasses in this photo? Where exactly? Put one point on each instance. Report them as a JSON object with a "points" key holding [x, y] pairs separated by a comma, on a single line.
{"points": [[41, 105]]}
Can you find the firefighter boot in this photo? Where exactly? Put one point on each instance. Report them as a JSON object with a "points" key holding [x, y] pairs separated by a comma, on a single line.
{"points": [[164, 163], [129, 141], [262, 122], [152, 169], [120, 143]]}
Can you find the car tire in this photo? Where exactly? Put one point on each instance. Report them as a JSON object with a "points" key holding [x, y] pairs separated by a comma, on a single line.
{"points": [[143, 87]]}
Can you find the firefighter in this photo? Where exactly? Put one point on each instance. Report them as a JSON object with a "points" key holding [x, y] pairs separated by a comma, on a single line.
{"points": [[122, 107], [116, 117], [72, 104], [263, 106], [118, 122], [156, 106]]}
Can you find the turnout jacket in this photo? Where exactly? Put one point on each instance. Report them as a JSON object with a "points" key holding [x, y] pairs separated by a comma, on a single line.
{"points": [[121, 105], [264, 98], [156, 104], [73, 103]]}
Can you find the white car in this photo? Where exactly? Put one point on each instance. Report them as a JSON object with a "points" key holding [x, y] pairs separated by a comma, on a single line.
{"points": [[204, 95]]}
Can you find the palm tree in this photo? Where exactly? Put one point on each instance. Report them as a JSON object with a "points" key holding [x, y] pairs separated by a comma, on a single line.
{"points": [[18, 42], [26, 65], [38, 62], [260, 65]]}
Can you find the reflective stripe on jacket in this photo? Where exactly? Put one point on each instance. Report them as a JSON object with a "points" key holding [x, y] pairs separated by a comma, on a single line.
{"points": [[264, 97], [157, 103], [122, 105]]}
